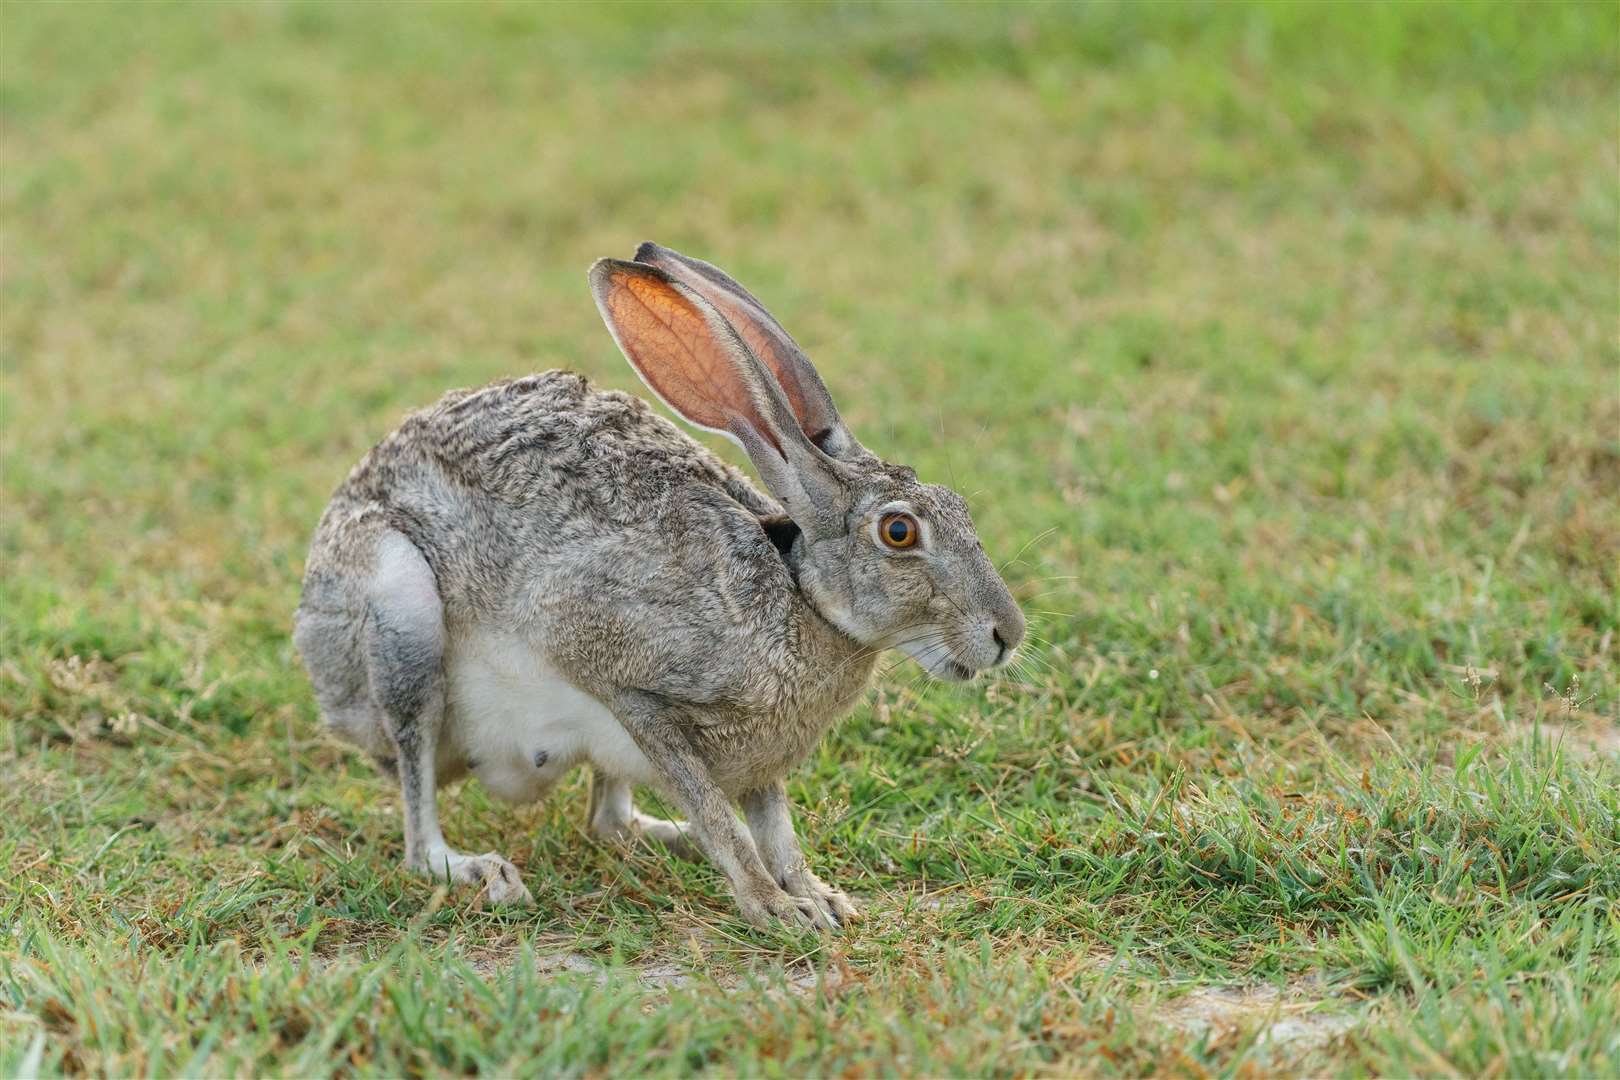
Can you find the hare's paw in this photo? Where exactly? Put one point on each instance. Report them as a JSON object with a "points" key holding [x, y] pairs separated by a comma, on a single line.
{"points": [[769, 905], [833, 903], [499, 880], [502, 885]]}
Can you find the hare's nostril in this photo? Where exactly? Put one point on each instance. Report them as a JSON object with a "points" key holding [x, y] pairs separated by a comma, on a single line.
{"points": [[1001, 643]]}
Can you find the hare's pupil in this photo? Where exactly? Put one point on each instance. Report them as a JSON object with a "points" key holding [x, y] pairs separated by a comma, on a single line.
{"points": [[899, 530]]}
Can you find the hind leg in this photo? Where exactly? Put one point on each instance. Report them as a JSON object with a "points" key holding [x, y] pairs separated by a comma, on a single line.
{"points": [[404, 647], [614, 817]]}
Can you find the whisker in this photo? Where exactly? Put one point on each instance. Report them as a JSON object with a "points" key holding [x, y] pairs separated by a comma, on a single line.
{"points": [[1036, 538], [927, 641], [872, 650], [954, 604], [1031, 658]]}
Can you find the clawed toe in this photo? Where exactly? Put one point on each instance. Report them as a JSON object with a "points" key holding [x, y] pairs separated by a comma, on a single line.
{"points": [[835, 908], [498, 880], [842, 906], [817, 913], [502, 883], [778, 907]]}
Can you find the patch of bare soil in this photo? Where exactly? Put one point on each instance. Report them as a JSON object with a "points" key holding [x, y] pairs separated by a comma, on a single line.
{"points": [[1286, 1020], [1586, 734], [662, 976]]}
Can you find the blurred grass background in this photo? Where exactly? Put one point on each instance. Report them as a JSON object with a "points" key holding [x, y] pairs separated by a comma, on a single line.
{"points": [[1274, 347]]}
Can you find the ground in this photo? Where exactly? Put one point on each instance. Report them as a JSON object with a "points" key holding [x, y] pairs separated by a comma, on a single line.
{"points": [[1274, 349]]}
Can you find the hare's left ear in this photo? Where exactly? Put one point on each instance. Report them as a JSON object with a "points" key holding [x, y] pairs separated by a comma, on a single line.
{"points": [[806, 393], [694, 360]]}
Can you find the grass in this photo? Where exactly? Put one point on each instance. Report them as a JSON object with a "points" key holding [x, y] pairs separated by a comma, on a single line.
{"points": [[1273, 346]]}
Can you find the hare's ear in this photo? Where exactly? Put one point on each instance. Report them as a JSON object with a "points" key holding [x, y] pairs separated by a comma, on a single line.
{"points": [[693, 359], [812, 405]]}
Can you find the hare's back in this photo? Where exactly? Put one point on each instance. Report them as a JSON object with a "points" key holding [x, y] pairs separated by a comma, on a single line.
{"points": [[535, 459], [554, 439], [539, 483]]}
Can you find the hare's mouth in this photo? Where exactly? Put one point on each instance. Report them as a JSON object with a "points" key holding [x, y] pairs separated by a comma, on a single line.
{"points": [[942, 665], [939, 660]]}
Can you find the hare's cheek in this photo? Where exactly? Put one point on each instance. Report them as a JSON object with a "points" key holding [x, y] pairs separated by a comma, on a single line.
{"points": [[908, 585]]}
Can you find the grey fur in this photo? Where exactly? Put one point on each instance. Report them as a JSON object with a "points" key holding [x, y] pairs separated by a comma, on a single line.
{"points": [[653, 577]]}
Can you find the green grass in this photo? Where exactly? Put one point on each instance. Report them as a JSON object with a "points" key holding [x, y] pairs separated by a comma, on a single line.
{"points": [[1274, 348]]}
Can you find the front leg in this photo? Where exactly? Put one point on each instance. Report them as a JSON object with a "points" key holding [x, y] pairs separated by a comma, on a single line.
{"points": [[656, 727], [770, 819]]}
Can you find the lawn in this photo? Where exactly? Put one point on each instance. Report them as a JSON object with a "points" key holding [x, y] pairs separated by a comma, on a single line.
{"points": [[1274, 348]]}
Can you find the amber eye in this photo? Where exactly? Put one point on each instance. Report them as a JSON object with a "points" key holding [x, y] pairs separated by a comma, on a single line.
{"points": [[898, 530]]}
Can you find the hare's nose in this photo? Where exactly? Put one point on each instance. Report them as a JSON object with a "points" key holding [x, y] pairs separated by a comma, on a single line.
{"points": [[1007, 632]]}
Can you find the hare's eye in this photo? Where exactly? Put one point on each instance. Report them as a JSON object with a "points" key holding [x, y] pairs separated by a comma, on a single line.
{"points": [[898, 530]]}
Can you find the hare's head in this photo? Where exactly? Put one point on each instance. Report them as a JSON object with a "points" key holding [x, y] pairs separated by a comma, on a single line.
{"points": [[888, 560]]}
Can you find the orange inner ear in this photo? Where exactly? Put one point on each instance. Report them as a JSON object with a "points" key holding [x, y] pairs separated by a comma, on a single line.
{"points": [[749, 322], [678, 353], [765, 347]]}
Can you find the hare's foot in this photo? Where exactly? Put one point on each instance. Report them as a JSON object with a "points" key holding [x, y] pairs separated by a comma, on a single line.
{"points": [[614, 817], [769, 905], [833, 902], [499, 879]]}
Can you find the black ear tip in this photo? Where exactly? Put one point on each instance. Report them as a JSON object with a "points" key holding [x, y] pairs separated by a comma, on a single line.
{"points": [[602, 270], [648, 251]]}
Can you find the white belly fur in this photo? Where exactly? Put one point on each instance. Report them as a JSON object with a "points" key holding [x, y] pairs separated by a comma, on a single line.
{"points": [[508, 704]]}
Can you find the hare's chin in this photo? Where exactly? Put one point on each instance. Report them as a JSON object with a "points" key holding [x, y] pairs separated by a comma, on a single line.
{"points": [[938, 662], [949, 670]]}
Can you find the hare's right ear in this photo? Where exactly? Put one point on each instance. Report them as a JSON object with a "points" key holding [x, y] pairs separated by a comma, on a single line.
{"points": [[693, 359], [806, 393]]}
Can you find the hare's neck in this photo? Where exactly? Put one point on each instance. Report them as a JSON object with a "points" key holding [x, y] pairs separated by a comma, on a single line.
{"points": [[830, 618], [842, 667]]}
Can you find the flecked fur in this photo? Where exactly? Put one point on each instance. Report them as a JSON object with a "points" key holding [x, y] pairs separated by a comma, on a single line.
{"points": [[650, 573]]}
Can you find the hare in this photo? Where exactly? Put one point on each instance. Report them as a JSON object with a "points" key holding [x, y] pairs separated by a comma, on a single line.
{"points": [[538, 574]]}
